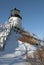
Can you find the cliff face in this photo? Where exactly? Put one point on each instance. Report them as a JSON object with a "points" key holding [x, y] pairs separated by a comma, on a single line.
{"points": [[15, 51], [18, 50], [12, 50]]}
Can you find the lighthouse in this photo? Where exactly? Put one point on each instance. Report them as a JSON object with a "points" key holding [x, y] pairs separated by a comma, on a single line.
{"points": [[15, 18], [14, 22]]}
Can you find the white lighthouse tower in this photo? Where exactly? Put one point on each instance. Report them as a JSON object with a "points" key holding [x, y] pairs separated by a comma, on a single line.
{"points": [[15, 18], [14, 22]]}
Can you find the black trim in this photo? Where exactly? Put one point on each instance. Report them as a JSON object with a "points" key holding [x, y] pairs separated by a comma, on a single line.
{"points": [[16, 15]]}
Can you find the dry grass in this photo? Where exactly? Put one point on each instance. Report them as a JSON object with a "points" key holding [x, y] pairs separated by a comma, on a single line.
{"points": [[28, 39], [38, 57], [39, 54]]}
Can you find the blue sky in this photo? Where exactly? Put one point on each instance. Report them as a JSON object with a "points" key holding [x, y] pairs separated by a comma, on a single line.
{"points": [[32, 12]]}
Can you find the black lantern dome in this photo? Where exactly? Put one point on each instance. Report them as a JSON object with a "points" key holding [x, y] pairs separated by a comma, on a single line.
{"points": [[15, 13]]}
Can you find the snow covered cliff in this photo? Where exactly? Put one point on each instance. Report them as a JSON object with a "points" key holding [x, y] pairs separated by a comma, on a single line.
{"points": [[17, 46]]}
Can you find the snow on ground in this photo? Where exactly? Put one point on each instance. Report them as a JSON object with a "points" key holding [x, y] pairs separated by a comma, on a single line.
{"points": [[13, 52]]}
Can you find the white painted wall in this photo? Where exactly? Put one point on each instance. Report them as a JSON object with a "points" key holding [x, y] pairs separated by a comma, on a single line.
{"points": [[15, 21]]}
